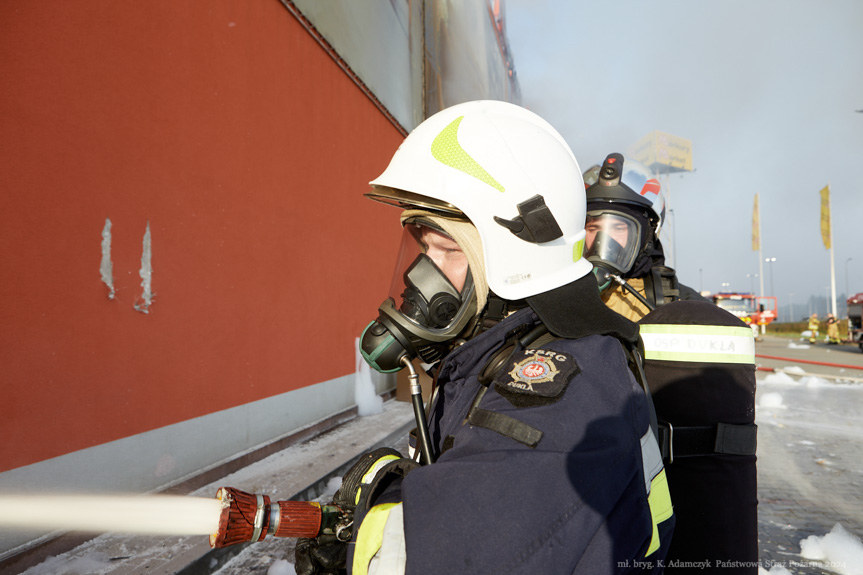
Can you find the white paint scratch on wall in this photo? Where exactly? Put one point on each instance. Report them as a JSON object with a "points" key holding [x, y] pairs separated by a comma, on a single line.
{"points": [[143, 304], [107, 267]]}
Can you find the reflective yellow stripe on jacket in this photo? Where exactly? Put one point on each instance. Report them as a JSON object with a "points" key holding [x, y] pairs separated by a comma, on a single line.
{"points": [[372, 472], [698, 343], [656, 484], [371, 536]]}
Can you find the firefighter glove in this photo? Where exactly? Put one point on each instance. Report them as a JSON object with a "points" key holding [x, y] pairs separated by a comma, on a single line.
{"points": [[326, 554]]}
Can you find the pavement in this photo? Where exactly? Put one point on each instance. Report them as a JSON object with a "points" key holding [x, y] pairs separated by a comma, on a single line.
{"points": [[810, 471], [810, 461]]}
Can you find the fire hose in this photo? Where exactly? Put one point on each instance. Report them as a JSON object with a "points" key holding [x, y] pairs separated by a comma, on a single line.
{"points": [[792, 360]]}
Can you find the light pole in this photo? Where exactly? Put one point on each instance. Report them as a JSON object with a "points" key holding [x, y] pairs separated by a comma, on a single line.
{"points": [[847, 294], [752, 281], [791, 310], [770, 261]]}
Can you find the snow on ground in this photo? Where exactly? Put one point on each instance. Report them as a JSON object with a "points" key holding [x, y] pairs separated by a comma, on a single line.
{"points": [[839, 551], [786, 377], [95, 563], [779, 377], [809, 437], [771, 401], [281, 567]]}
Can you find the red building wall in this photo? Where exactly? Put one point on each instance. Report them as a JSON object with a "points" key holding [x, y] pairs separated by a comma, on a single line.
{"points": [[230, 130]]}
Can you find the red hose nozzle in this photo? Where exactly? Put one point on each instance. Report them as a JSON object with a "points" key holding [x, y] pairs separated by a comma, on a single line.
{"points": [[251, 517]]}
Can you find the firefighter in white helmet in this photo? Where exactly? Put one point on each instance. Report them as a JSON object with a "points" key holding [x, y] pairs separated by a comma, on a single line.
{"points": [[545, 460]]}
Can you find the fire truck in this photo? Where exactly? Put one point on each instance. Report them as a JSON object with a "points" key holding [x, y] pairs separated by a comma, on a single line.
{"points": [[855, 319], [757, 311]]}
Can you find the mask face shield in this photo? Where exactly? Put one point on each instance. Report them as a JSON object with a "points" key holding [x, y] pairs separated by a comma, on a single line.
{"points": [[430, 303], [612, 240]]}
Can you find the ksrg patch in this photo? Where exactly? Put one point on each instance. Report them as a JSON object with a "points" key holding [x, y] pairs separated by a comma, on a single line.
{"points": [[536, 377]]}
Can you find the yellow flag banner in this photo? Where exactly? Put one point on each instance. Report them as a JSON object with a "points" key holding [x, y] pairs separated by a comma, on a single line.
{"points": [[825, 216], [756, 228]]}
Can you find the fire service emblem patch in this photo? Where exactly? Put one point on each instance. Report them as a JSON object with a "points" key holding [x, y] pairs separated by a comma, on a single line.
{"points": [[537, 376]]}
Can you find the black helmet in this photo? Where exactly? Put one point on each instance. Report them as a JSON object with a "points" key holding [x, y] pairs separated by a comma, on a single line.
{"points": [[624, 214]]}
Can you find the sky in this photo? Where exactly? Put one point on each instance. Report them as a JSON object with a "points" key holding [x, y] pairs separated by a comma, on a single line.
{"points": [[767, 91]]}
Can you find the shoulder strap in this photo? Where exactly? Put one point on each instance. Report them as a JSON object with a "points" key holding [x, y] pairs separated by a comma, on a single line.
{"points": [[635, 360], [661, 285]]}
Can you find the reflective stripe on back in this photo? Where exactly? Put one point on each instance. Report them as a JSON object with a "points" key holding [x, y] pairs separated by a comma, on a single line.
{"points": [[698, 343]]}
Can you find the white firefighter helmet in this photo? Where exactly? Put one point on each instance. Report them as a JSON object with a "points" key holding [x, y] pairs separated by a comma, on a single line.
{"points": [[513, 176]]}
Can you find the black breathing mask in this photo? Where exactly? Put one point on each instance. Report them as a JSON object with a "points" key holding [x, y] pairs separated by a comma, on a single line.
{"points": [[602, 270], [424, 314]]}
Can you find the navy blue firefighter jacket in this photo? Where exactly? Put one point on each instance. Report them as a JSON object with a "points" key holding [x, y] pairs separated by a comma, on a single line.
{"points": [[555, 470]]}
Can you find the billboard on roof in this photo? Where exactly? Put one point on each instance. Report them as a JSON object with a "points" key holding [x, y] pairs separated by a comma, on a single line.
{"points": [[662, 152]]}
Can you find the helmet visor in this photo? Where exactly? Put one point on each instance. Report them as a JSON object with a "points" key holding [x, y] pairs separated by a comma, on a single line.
{"points": [[612, 239], [432, 280]]}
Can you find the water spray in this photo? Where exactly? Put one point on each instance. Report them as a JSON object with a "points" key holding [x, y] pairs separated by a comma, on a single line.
{"points": [[232, 517], [134, 514]]}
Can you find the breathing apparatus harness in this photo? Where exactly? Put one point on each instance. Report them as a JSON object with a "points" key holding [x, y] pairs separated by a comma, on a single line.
{"points": [[660, 285]]}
